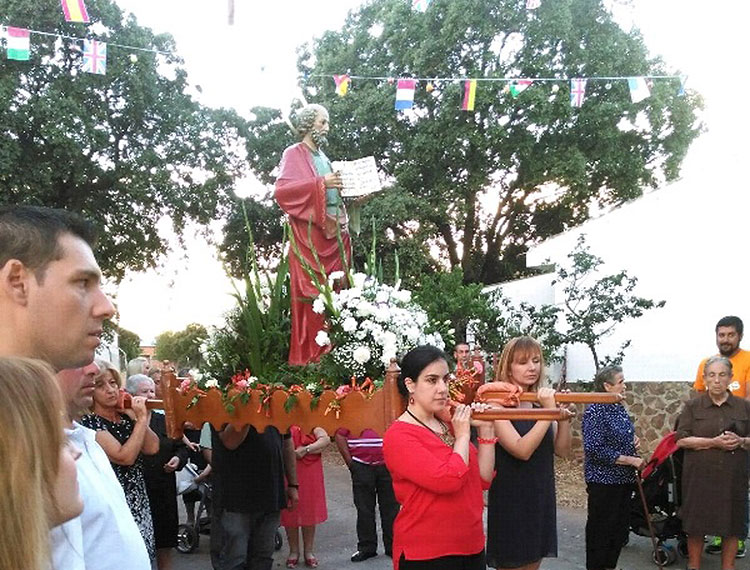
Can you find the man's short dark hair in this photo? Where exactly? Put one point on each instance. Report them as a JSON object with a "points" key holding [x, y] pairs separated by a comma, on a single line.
{"points": [[31, 235], [731, 321]]}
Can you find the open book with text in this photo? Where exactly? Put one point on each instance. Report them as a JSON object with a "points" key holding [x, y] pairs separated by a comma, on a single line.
{"points": [[360, 177]]}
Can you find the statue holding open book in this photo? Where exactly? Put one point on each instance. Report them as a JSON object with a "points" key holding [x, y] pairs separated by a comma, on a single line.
{"points": [[312, 195]]}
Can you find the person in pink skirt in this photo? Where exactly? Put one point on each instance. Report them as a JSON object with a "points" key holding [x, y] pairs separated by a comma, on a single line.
{"points": [[311, 509]]}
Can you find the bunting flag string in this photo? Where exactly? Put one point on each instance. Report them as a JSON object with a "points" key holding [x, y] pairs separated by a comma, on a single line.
{"points": [[12, 39], [639, 86]]}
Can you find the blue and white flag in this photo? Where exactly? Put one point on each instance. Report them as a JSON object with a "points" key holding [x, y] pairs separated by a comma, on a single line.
{"points": [[405, 94], [420, 5], [638, 89]]}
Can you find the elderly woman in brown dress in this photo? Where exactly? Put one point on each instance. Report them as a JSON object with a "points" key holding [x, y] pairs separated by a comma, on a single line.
{"points": [[713, 430]]}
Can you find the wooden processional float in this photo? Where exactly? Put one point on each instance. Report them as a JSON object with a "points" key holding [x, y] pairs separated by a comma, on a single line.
{"points": [[356, 412]]}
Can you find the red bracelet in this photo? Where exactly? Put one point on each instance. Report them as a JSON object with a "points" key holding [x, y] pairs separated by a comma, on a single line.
{"points": [[490, 441]]}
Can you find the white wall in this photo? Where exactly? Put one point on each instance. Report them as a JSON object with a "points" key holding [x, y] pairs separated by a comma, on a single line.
{"points": [[687, 244], [536, 290]]}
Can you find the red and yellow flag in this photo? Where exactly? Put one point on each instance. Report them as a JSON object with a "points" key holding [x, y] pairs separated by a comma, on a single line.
{"points": [[75, 11], [342, 84], [470, 90]]}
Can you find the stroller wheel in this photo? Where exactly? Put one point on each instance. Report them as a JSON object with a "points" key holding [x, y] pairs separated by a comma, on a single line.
{"points": [[277, 540], [664, 555], [187, 539]]}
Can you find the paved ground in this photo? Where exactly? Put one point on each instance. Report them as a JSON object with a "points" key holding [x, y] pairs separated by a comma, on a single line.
{"points": [[336, 540]]}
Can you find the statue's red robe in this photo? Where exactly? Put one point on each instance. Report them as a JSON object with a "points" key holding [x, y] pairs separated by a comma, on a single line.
{"points": [[301, 193]]}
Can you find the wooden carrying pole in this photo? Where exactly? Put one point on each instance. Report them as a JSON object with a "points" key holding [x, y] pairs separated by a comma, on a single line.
{"points": [[571, 397], [549, 414], [357, 412]]}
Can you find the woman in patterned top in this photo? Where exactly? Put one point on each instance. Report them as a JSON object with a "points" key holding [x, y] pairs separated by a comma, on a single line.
{"points": [[610, 467], [124, 435]]}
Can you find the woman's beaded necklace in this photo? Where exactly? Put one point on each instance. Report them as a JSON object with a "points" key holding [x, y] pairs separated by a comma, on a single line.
{"points": [[446, 436]]}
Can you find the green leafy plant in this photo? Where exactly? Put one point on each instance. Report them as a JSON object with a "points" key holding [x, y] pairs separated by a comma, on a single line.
{"points": [[593, 307], [257, 331]]}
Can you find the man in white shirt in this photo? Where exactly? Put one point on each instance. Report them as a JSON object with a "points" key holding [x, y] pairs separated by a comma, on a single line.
{"points": [[109, 536]]}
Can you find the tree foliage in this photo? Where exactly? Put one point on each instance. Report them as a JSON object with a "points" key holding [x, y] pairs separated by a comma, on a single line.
{"points": [[593, 308], [125, 148], [479, 187], [183, 347]]}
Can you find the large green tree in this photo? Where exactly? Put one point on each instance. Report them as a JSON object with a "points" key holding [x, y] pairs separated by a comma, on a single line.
{"points": [[183, 347], [472, 190], [129, 342], [123, 148]]}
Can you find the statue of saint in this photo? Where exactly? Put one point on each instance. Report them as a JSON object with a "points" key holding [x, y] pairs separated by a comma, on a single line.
{"points": [[308, 191]]}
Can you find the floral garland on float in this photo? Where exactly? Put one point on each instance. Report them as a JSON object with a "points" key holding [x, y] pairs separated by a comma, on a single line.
{"points": [[368, 325]]}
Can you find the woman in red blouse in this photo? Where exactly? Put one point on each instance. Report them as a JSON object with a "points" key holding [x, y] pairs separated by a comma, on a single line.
{"points": [[438, 476]]}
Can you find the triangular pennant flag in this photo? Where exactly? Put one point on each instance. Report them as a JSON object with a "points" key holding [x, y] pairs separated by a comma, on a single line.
{"points": [[518, 86], [470, 91], [420, 5], [342, 84], [533, 4], [94, 57], [577, 91], [638, 89], [75, 11], [18, 44], [405, 93]]}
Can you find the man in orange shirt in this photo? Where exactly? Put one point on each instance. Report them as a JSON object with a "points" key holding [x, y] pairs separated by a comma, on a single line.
{"points": [[466, 362], [728, 336]]}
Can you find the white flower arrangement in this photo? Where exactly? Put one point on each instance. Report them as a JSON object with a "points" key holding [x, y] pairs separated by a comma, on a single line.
{"points": [[322, 339], [370, 323]]}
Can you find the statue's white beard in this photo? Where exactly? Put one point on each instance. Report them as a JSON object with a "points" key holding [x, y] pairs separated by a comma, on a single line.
{"points": [[319, 138]]}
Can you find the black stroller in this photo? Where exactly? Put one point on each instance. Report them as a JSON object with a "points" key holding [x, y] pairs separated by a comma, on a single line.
{"points": [[661, 482], [188, 535]]}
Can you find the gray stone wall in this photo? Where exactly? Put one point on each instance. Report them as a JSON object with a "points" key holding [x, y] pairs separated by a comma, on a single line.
{"points": [[653, 407]]}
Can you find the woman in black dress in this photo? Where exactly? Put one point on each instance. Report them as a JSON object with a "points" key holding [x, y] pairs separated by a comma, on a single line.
{"points": [[521, 514], [124, 436], [159, 473]]}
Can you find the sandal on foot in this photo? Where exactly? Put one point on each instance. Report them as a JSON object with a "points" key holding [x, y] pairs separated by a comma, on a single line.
{"points": [[292, 561], [311, 561]]}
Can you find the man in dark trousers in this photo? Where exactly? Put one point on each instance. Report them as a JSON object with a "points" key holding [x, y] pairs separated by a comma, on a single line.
{"points": [[249, 491], [371, 481]]}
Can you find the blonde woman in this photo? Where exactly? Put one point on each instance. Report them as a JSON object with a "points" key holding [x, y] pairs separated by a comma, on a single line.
{"points": [[38, 475], [521, 513], [124, 437]]}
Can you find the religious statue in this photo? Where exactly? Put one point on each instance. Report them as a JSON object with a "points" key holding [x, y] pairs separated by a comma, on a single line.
{"points": [[308, 191]]}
